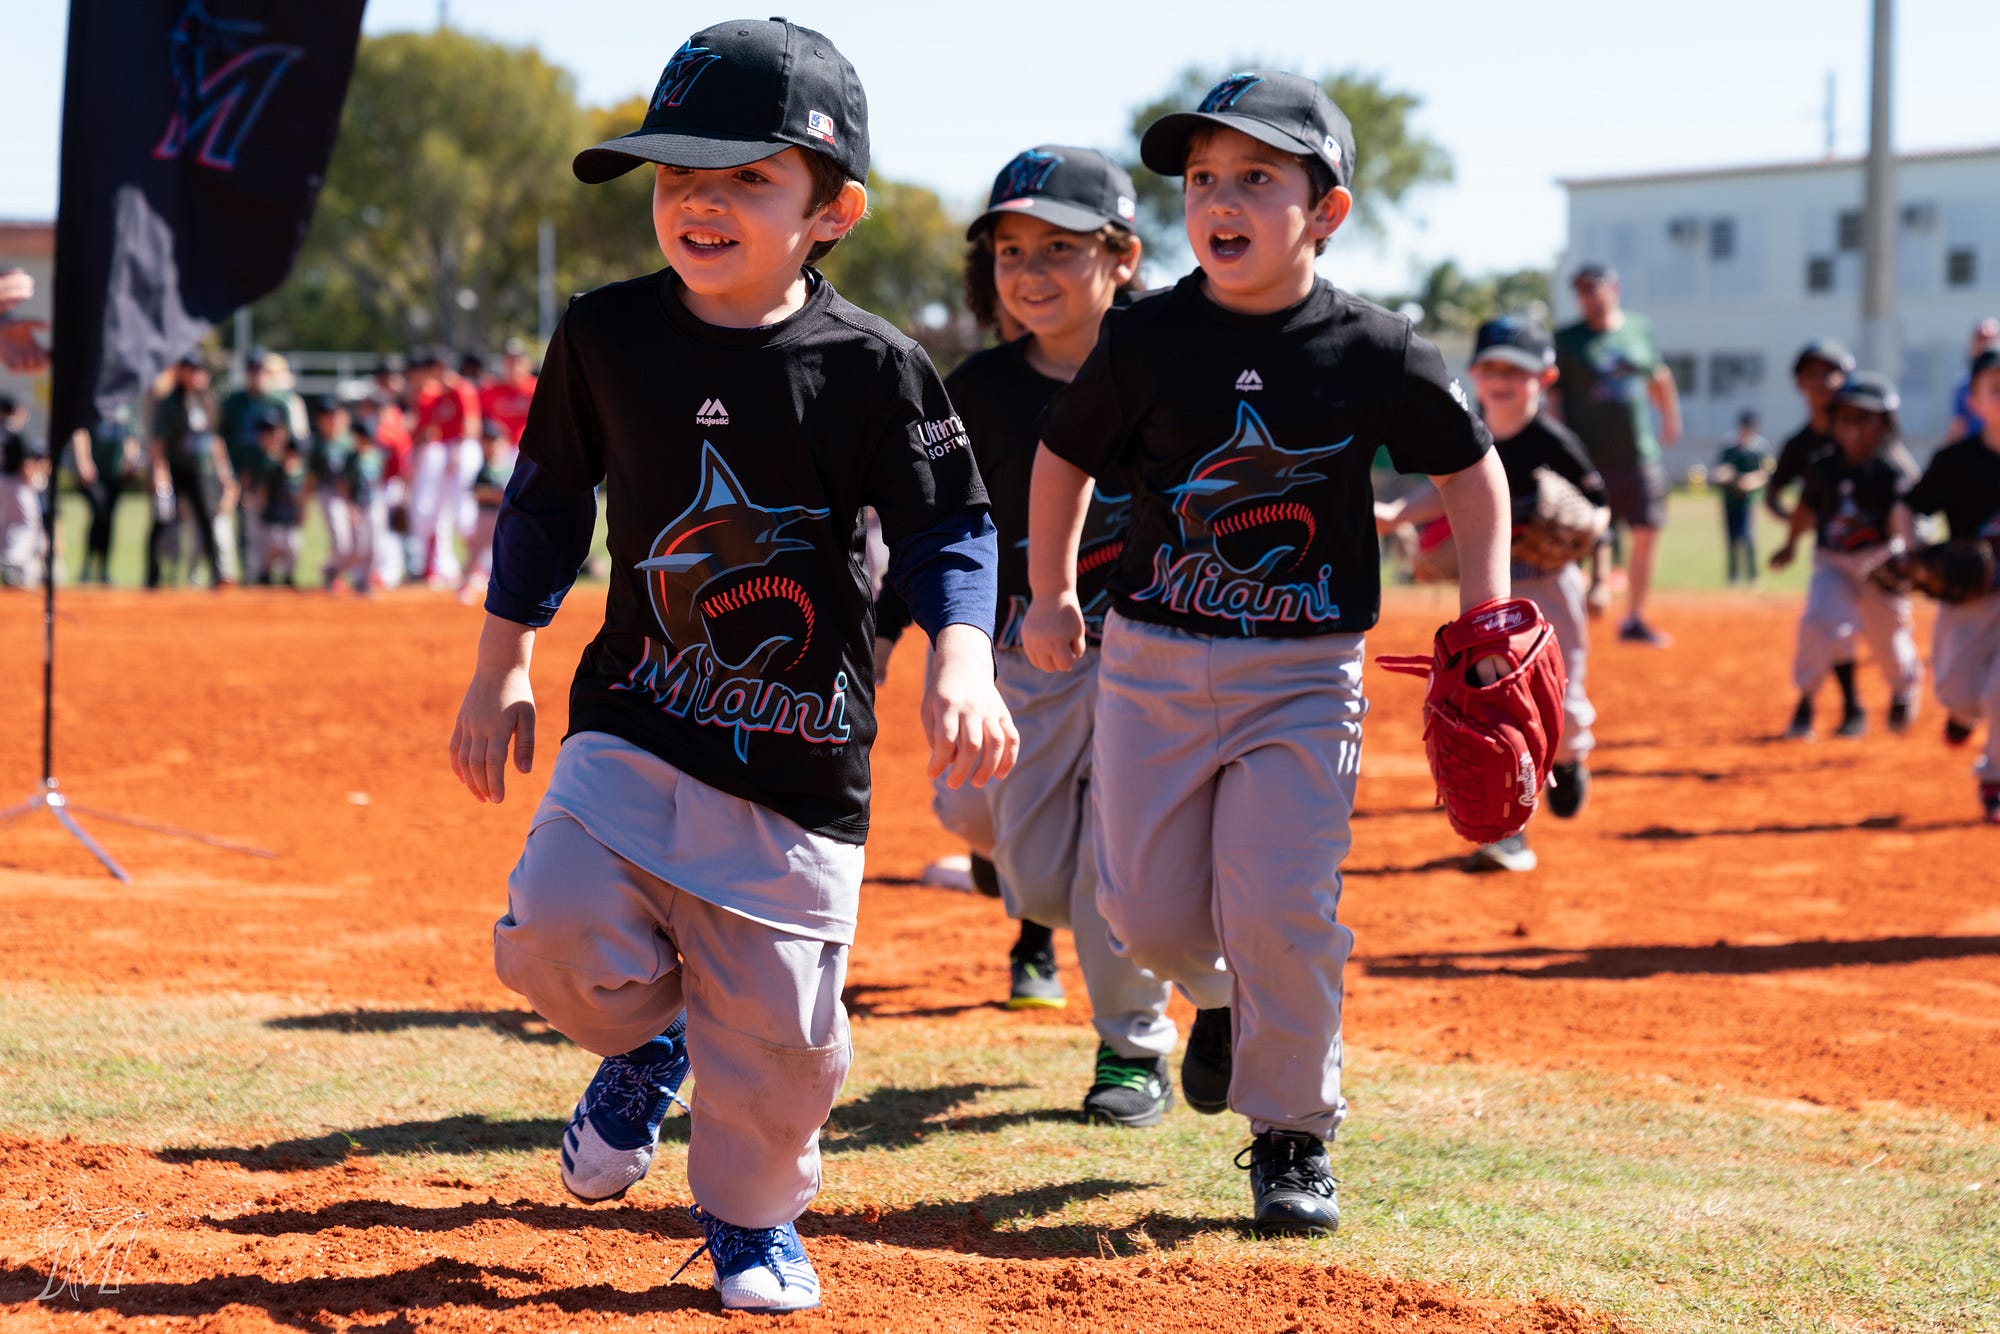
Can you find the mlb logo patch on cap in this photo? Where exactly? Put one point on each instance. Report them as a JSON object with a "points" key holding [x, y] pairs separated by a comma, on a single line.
{"points": [[819, 125]]}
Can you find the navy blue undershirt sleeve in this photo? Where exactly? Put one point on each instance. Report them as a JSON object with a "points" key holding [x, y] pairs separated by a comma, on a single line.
{"points": [[949, 573], [541, 538]]}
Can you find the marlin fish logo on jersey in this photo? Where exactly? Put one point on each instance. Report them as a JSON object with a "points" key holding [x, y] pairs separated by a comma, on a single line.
{"points": [[1098, 552], [221, 84], [678, 78], [728, 621], [1239, 531], [1028, 173], [1223, 96]]}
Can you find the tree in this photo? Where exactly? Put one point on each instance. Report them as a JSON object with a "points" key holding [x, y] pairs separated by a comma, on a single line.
{"points": [[1391, 158], [1452, 299], [903, 262]]}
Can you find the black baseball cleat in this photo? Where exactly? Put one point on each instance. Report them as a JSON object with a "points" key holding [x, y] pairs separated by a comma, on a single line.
{"points": [[1130, 1091], [1292, 1183], [1900, 709], [1956, 733], [1801, 728], [1989, 802], [1206, 1065], [1569, 787], [1853, 722]]}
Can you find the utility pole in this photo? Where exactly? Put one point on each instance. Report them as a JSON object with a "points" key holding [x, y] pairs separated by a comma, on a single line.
{"points": [[1831, 121], [545, 285], [1881, 348]]}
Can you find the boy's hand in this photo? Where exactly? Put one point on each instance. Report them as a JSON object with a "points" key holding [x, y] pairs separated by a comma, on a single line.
{"points": [[1782, 556], [1052, 633], [497, 708], [971, 735]]}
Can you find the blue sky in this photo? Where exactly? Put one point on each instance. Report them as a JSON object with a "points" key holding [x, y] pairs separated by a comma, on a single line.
{"points": [[1520, 95]]}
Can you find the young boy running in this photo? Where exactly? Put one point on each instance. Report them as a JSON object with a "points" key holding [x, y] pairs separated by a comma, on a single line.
{"points": [[700, 842], [1818, 372], [1244, 406]]}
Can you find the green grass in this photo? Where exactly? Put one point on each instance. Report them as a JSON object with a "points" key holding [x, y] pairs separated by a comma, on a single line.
{"points": [[1714, 1213]]}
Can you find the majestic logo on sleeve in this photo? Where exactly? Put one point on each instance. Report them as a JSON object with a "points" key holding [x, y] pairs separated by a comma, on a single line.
{"points": [[1239, 533], [1223, 96], [1028, 173], [728, 622], [221, 85], [678, 78]]}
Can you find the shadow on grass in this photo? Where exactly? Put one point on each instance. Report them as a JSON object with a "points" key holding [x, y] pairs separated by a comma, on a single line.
{"points": [[1867, 823], [523, 1024], [328, 1303], [868, 1001], [896, 1118], [446, 1135], [1634, 961]]}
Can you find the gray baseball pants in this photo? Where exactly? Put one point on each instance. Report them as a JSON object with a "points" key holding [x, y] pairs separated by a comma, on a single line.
{"points": [[1223, 775], [1560, 594], [1965, 661], [1843, 605], [1044, 847], [608, 952]]}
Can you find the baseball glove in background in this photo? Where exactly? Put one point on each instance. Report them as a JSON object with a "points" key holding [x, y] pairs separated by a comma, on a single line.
{"points": [[1491, 746], [1554, 526], [1948, 571]]}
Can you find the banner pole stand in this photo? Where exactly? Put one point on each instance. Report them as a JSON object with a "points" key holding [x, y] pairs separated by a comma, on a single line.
{"points": [[51, 798]]}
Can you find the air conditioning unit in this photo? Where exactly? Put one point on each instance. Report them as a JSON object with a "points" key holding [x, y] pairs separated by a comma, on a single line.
{"points": [[1684, 231], [1920, 217]]}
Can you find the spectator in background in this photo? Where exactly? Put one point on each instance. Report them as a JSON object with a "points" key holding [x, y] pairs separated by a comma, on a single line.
{"points": [[1965, 423], [283, 485], [241, 411], [24, 477], [447, 458], [1611, 381], [20, 350], [489, 488], [1740, 470], [506, 397], [105, 459], [191, 464], [330, 460]]}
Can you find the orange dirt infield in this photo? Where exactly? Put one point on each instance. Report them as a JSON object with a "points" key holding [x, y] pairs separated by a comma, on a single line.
{"points": [[1799, 922]]}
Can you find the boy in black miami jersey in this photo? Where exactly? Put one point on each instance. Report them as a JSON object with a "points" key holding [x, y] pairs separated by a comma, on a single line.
{"points": [[1244, 406], [1963, 483], [1819, 370], [699, 846], [1850, 491]]}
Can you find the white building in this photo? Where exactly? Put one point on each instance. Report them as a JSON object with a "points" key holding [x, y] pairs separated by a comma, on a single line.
{"points": [[1737, 267]]}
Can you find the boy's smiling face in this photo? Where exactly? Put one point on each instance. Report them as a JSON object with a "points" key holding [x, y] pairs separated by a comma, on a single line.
{"points": [[1054, 281], [1252, 220], [742, 233]]}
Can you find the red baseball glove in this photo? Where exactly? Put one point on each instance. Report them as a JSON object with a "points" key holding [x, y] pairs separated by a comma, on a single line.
{"points": [[1490, 746]]}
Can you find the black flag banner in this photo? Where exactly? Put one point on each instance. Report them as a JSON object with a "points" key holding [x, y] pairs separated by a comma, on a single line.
{"points": [[195, 137]]}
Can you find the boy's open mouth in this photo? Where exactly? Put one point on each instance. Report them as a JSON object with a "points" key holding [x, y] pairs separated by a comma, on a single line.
{"points": [[706, 243], [1228, 245]]}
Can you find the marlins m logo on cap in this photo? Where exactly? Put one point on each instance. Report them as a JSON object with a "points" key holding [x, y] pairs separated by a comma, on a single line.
{"points": [[1028, 173], [1224, 94], [677, 79]]}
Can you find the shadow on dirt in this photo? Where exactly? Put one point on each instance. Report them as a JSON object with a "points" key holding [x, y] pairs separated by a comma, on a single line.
{"points": [[1878, 823], [896, 1118], [869, 1001], [1454, 861], [446, 1135], [1635, 961], [525, 1025]]}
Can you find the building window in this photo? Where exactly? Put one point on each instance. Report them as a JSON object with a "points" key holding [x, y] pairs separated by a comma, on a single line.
{"points": [[1961, 267], [1682, 366], [1850, 229], [1733, 372], [1819, 273], [1722, 238]]}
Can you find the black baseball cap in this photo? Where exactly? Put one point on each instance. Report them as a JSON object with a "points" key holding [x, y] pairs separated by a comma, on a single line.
{"points": [[423, 358], [1870, 391], [1988, 358], [1516, 341], [193, 360], [270, 419], [391, 364], [1286, 111], [1593, 272], [1829, 350], [738, 92], [1076, 189]]}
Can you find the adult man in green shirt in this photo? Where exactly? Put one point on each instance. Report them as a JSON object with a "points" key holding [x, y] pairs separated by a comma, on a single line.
{"points": [[1611, 380]]}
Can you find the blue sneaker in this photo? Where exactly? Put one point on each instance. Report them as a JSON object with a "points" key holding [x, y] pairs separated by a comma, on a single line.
{"points": [[756, 1268], [615, 1129]]}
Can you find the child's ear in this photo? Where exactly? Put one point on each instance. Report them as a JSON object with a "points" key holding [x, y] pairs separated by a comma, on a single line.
{"points": [[837, 219], [1549, 377], [1128, 265], [1330, 212]]}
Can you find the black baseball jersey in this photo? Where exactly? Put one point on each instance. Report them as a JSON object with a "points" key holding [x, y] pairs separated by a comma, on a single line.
{"points": [[1963, 482], [1799, 449], [1247, 441], [735, 464], [1000, 397], [1544, 443], [1850, 502]]}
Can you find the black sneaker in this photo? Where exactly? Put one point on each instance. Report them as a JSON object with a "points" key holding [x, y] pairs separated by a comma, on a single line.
{"points": [[1206, 1065], [1899, 714], [1130, 1091], [1989, 802], [1569, 786], [1801, 728], [1638, 632], [1853, 722], [1956, 733], [1032, 983], [1292, 1183]]}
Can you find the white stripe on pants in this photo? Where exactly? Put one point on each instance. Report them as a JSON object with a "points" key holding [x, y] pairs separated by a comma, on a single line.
{"points": [[1842, 604], [1560, 595], [1224, 773], [1044, 847], [1965, 661]]}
